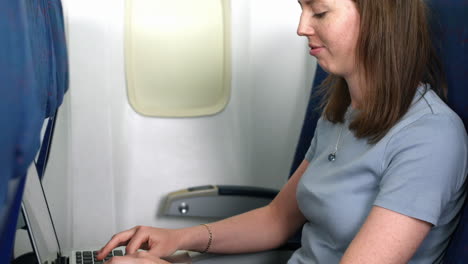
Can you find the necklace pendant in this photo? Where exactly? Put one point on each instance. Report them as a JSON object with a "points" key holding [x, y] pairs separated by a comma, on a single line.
{"points": [[332, 157]]}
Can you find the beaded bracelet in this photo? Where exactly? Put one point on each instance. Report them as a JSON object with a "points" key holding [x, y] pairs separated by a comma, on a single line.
{"points": [[209, 240]]}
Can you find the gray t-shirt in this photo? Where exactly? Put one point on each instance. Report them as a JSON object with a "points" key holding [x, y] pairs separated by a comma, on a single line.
{"points": [[418, 169]]}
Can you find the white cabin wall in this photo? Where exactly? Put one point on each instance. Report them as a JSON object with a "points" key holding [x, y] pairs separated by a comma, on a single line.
{"points": [[119, 165], [282, 74]]}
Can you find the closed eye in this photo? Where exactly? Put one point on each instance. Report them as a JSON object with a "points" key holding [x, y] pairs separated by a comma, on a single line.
{"points": [[320, 15]]}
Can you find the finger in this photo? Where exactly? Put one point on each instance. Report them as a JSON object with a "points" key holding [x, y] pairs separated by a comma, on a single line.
{"points": [[117, 240], [140, 238]]}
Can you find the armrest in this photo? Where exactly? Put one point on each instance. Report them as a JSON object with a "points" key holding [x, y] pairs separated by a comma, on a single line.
{"points": [[222, 201], [216, 201]]}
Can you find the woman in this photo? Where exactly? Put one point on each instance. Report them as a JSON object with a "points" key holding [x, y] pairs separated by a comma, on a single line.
{"points": [[383, 179]]}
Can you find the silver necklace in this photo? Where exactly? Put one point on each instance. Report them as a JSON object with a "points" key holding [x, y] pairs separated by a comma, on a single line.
{"points": [[332, 156]]}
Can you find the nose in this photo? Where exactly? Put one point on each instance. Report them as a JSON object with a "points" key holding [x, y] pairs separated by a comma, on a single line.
{"points": [[305, 27]]}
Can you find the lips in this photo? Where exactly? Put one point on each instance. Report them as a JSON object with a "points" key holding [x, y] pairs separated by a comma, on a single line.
{"points": [[315, 46], [315, 49]]}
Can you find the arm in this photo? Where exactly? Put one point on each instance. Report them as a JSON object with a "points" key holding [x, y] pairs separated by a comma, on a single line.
{"points": [[424, 173], [261, 229], [386, 237]]}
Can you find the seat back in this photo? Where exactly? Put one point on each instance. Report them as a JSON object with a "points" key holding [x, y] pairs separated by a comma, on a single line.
{"points": [[450, 30], [310, 121], [33, 79]]}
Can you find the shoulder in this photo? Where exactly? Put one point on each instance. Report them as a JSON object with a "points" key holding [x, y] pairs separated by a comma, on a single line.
{"points": [[430, 138], [429, 118]]}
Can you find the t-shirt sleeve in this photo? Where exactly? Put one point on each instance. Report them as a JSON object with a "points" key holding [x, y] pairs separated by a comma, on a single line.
{"points": [[425, 166]]}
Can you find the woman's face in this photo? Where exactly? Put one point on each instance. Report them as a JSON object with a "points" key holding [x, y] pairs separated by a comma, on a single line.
{"points": [[332, 29]]}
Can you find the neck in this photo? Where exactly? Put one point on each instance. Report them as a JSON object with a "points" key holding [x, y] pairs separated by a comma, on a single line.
{"points": [[355, 86]]}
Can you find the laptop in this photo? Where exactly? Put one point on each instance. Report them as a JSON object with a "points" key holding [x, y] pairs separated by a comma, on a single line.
{"points": [[43, 236], [42, 232]]}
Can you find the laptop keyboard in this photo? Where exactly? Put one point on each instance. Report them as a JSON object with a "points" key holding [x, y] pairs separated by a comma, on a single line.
{"points": [[89, 257]]}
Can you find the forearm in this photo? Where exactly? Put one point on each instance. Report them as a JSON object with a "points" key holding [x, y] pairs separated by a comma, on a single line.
{"points": [[257, 230]]}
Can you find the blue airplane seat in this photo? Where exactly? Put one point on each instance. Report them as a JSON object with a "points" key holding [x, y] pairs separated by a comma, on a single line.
{"points": [[450, 29], [310, 121], [33, 80]]}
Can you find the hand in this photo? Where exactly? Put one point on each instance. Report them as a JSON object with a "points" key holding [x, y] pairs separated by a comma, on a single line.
{"points": [[140, 257], [159, 242]]}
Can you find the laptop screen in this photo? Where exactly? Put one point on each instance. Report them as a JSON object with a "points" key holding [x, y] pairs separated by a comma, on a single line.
{"points": [[40, 225]]}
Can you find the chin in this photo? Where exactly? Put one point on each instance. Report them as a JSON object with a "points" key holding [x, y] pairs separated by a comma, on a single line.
{"points": [[330, 69], [326, 67]]}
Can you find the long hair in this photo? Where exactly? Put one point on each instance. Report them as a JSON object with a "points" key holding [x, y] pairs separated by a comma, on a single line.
{"points": [[396, 53]]}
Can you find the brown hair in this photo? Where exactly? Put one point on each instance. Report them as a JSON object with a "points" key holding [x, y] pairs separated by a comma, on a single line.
{"points": [[396, 53]]}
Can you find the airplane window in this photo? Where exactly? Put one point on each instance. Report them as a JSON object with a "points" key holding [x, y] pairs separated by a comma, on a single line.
{"points": [[177, 56]]}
